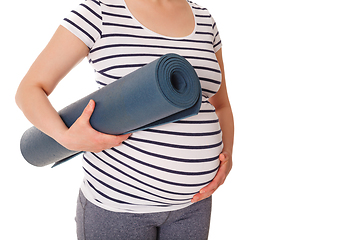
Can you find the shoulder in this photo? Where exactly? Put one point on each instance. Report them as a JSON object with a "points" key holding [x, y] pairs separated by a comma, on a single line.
{"points": [[91, 3], [198, 8], [201, 12], [91, 7], [195, 5]]}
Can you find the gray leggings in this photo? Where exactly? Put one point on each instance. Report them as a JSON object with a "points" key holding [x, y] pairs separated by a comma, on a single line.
{"points": [[95, 223]]}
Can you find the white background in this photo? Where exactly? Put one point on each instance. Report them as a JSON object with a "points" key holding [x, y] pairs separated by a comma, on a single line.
{"points": [[293, 77]]}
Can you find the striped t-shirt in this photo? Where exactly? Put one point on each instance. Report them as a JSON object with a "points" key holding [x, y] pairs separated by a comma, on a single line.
{"points": [[162, 168]]}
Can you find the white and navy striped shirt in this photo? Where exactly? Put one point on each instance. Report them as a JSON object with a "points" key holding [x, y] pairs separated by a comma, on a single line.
{"points": [[158, 169]]}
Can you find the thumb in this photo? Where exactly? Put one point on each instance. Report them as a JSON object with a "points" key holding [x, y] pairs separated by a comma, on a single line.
{"points": [[121, 138], [89, 109], [223, 156]]}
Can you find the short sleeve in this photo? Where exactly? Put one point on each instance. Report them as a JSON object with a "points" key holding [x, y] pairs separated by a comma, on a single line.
{"points": [[216, 40], [85, 22]]}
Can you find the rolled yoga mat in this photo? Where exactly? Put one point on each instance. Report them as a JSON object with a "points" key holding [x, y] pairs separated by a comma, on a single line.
{"points": [[163, 91]]}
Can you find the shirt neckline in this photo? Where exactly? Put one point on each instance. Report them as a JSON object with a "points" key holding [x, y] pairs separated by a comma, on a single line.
{"points": [[161, 35]]}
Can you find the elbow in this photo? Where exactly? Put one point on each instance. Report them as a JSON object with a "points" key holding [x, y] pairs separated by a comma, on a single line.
{"points": [[20, 94], [26, 92], [23, 93], [18, 97]]}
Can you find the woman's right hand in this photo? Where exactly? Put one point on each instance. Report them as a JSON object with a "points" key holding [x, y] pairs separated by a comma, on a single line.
{"points": [[81, 136]]}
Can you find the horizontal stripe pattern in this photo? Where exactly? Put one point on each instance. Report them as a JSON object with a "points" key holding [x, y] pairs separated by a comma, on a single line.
{"points": [[161, 168]]}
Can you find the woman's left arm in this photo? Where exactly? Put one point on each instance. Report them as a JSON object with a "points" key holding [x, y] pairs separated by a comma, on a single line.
{"points": [[223, 109]]}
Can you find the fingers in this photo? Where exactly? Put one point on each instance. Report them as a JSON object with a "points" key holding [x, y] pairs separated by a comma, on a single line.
{"points": [[219, 179], [209, 189], [120, 138], [106, 141], [81, 136], [112, 140], [124, 137]]}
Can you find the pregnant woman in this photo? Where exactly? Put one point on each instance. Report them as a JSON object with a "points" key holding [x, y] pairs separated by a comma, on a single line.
{"points": [[156, 183]]}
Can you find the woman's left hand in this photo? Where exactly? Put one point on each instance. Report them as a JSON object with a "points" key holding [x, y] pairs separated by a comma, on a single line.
{"points": [[224, 169]]}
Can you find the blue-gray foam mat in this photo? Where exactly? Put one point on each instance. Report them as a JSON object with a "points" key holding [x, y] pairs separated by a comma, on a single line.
{"points": [[163, 91]]}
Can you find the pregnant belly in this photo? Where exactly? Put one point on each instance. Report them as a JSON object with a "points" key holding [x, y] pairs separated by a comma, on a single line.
{"points": [[159, 169]]}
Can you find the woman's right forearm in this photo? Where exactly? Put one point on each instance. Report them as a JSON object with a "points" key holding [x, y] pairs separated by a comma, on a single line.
{"points": [[34, 103]]}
